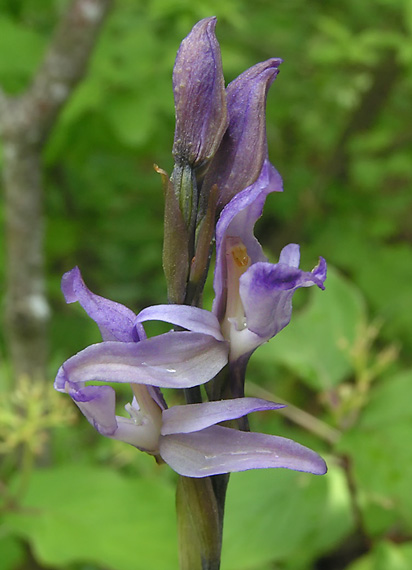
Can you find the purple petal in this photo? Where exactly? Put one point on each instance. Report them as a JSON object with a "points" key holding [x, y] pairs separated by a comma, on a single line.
{"points": [[238, 220], [218, 450], [115, 321], [195, 417], [290, 255], [97, 403], [320, 273], [266, 291], [200, 97], [191, 318], [171, 360]]}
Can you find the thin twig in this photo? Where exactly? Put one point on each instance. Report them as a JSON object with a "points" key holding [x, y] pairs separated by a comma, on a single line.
{"points": [[25, 124], [296, 415]]}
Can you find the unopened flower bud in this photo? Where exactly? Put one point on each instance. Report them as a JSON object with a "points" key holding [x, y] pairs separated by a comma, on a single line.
{"points": [[200, 97], [239, 159]]}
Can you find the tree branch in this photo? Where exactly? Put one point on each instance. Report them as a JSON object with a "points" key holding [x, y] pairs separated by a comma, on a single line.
{"points": [[25, 123]]}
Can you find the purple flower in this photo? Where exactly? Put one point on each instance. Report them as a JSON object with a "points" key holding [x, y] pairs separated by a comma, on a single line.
{"points": [[215, 449], [186, 437], [199, 447], [253, 298], [171, 360]]}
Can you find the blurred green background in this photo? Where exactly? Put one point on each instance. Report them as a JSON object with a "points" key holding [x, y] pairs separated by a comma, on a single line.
{"points": [[339, 126]]}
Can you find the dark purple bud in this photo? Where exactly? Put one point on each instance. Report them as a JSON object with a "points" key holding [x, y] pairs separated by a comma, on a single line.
{"points": [[200, 97], [239, 159]]}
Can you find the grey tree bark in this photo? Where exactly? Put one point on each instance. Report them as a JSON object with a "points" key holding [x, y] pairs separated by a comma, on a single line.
{"points": [[25, 124]]}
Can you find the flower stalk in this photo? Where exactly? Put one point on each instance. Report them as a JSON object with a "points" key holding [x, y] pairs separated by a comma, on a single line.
{"points": [[199, 524]]}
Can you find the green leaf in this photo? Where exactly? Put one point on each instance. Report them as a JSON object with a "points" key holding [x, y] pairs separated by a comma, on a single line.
{"points": [[386, 556], [23, 48], [78, 514], [312, 344], [12, 553], [131, 117], [385, 277], [381, 455], [279, 515]]}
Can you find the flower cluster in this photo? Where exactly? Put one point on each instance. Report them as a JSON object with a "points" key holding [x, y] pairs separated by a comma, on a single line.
{"points": [[221, 171]]}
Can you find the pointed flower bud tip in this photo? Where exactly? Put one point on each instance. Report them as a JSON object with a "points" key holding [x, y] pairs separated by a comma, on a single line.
{"points": [[235, 167], [200, 97]]}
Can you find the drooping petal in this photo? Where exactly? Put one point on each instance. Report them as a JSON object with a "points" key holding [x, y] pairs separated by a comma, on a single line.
{"points": [[217, 450], [195, 417], [97, 403], [266, 291], [115, 321], [171, 360], [191, 318], [238, 220], [200, 97], [239, 159], [320, 273]]}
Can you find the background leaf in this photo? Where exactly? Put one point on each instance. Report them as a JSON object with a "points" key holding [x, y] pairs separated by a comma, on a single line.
{"points": [[75, 513], [313, 346], [381, 455], [272, 508]]}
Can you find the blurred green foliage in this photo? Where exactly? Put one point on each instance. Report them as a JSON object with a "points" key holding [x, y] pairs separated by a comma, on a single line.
{"points": [[339, 130]]}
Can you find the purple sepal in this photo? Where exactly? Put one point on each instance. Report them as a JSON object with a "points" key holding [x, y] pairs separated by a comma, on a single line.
{"points": [[195, 417], [97, 404], [170, 360], [191, 318], [265, 290], [115, 321], [218, 449]]}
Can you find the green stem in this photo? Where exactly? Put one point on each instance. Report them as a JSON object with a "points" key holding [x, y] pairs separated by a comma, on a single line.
{"points": [[300, 417], [193, 395], [199, 524], [186, 257], [220, 484]]}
